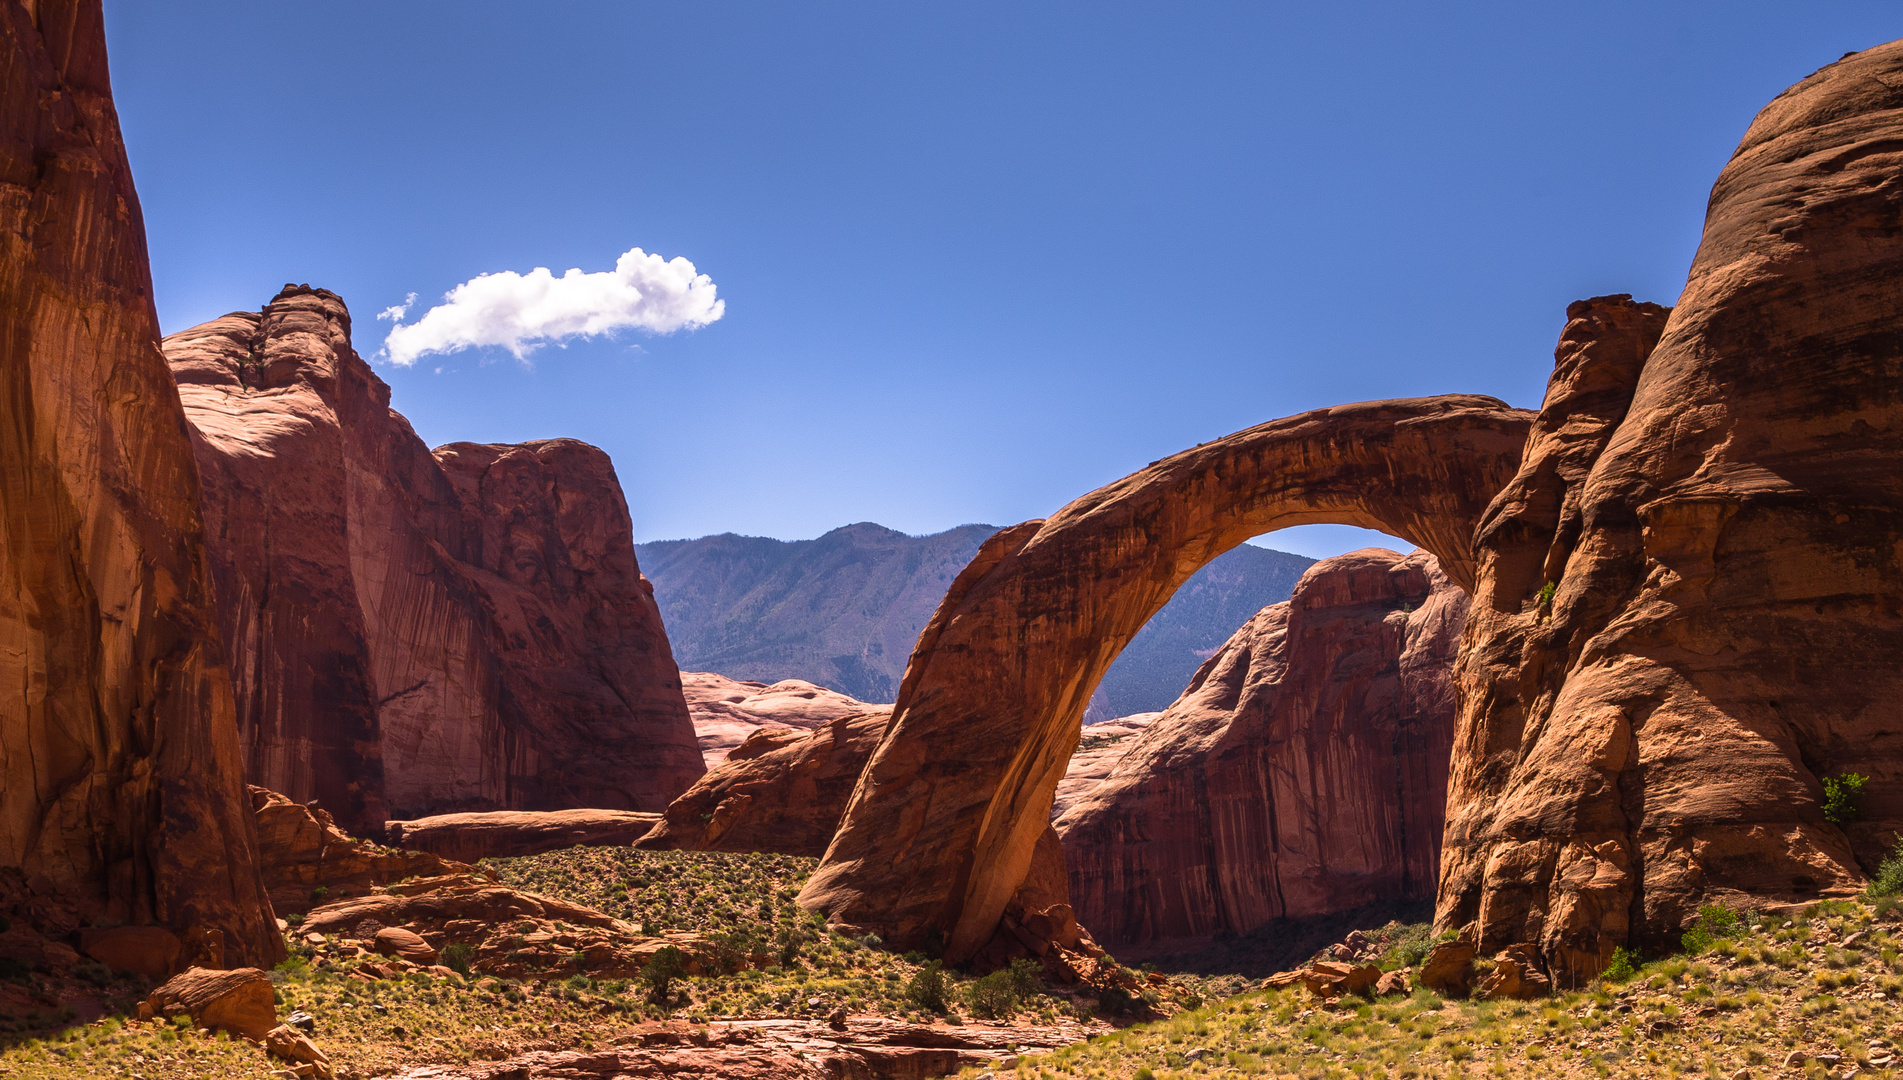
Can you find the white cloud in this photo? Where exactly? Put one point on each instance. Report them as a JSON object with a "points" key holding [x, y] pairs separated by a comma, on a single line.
{"points": [[395, 312], [523, 312]]}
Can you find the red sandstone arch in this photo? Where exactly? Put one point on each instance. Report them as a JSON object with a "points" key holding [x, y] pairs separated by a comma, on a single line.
{"points": [[939, 832]]}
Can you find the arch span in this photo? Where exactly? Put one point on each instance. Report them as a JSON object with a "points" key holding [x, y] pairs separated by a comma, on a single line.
{"points": [[940, 829]]}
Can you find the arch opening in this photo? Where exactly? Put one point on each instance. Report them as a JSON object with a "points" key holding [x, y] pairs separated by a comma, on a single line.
{"points": [[941, 829]]}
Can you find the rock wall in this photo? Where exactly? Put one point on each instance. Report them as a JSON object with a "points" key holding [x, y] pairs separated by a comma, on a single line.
{"points": [[941, 829], [726, 712], [121, 781], [301, 850], [413, 633], [1303, 772], [1689, 608]]}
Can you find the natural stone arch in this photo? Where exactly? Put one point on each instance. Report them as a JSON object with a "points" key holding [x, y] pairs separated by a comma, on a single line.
{"points": [[940, 830]]}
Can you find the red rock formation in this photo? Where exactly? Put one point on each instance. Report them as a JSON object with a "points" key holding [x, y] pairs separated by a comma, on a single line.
{"points": [[509, 833], [413, 633], [726, 712], [1096, 756], [941, 829], [301, 850], [1303, 772], [121, 782], [1720, 521], [781, 790]]}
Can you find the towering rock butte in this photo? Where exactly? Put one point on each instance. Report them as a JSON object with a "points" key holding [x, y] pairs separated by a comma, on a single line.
{"points": [[414, 633], [1303, 772], [122, 793], [1720, 518]]}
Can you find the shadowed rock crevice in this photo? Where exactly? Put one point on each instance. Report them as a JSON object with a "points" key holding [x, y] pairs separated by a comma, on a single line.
{"points": [[942, 824]]}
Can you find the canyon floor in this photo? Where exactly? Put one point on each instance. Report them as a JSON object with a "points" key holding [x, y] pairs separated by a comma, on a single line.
{"points": [[1812, 995]]}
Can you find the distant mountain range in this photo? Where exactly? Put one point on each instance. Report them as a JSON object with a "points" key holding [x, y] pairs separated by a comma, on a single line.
{"points": [[844, 610]]}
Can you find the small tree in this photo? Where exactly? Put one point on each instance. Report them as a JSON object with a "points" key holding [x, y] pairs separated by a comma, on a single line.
{"points": [[993, 997], [927, 988], [456, 957], [1843, 797], [664, 967]]}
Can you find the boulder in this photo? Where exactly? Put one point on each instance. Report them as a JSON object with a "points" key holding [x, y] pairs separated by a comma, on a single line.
{"points": [[502, 834], [1303, 772], [122, 793], [415, 632], [940, 831], [726, 712], [1332, 978], [1448, 967], [293, 1045], [781, 791], [1516, 974], [404, 944], [1709, 505], [301, 850], [239, 1000], [1398, 981]]}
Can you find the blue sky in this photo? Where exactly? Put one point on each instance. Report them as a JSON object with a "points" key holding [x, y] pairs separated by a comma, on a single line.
{"points": [[975, 259]]}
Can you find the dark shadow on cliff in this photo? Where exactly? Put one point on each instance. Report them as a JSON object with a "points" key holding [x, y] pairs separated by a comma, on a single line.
{"points": [[1278, 946]]}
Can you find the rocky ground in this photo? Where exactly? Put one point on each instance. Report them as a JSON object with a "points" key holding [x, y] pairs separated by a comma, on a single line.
{"points": [[1806, 996]]}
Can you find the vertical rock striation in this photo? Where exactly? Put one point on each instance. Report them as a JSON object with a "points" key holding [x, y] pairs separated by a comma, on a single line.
{"points": [[1303, 772], [121, 782], [415, 633]]}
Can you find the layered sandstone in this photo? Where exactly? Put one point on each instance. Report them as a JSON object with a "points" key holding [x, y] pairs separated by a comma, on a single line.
{"points": [[414, 633], [1102, 746], [509, 833], [942, 826], [782, 790], [1303, 772], [306, 858], [1688, 614], [121, 780], [726, 712]]}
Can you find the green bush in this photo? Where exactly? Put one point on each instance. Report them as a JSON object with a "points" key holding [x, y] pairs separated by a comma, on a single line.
{"points": [[1843, 797], [1889, 879], [1625, 964], [1716, 923], [993, 997], [457, 958], [664, 967], [927, 988]]}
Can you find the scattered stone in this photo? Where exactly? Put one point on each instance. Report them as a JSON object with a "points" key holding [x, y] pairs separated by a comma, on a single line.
{"points": [[1448, 969], [1516, 974], [291, 1044], [301, 1020]]}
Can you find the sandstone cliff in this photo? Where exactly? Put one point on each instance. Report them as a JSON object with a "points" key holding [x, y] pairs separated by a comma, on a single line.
{"points": [[409, 632], [1303, 772], [942, 827], [1688, 609], [726, 712], [121, 781]]}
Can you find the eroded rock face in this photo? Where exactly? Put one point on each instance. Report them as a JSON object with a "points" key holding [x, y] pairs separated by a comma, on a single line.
{"points": [[1721, 521], [941, 829], [508, 833], [121, 781], [414, 633], [302, 850], [1303, 772], [782, 790], [726, 712], [1096, 757]]}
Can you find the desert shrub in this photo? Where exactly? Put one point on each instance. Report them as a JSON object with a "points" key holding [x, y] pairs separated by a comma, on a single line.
{"points": [[1024, 978], [457, 958], [1843, 797], [1889, 877], [667, 965], [993, 997], [927, 988], [1716, 923], [1625, 964]]}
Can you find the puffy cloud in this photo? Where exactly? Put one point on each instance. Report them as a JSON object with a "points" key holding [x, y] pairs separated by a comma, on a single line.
{"points": [[523, 312]]}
